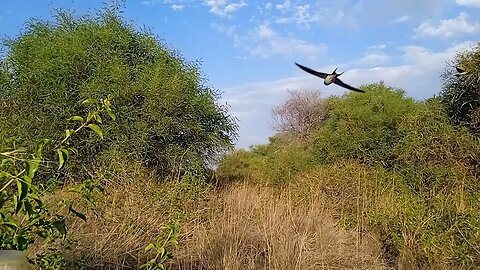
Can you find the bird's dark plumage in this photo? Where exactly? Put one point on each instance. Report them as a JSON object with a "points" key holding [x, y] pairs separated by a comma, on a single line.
{"points": [[460, 72], [313, 72], [337, 81], [329, 78]]}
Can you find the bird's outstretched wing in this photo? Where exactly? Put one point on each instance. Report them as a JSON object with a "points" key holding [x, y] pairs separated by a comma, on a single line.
{"points": [[337, 81], [313, 72]]}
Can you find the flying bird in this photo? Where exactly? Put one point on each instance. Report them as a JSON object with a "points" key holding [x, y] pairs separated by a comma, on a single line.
{"points": [[330, 78], [460, 72]]}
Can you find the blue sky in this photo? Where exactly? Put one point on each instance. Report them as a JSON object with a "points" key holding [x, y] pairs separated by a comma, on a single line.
{"points": [[248, 48]]}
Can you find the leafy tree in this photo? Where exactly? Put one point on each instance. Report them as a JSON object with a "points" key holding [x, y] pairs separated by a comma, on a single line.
{"points": [[167, 117], [461, 94], [362, 127]]}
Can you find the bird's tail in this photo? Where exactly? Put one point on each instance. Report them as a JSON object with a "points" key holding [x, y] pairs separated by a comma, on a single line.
{"points": [[335, 72]]}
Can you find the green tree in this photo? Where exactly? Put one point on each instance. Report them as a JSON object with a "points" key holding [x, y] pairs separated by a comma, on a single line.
{"points": [[167, 117], [362, 127], [461, 94]]}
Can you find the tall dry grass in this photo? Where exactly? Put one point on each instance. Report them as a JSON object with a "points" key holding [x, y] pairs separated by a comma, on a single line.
{"points": [[254, 228], [127, 217], [239, 227]]}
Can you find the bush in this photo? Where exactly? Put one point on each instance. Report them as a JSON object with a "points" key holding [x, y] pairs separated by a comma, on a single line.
{"points": [[461, 94], [167, 117], [362, 127]]}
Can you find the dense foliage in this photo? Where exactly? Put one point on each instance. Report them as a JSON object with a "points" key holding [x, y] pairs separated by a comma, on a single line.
{"points": [[387, 163], [461, 94], [167, 117]]}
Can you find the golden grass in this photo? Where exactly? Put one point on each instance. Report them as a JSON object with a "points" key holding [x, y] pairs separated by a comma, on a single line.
{"points": [[240, 227], [256, 229]]}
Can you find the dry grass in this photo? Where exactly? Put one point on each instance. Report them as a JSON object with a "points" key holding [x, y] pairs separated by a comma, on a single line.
{"points": [[128, 216], [255, 229], [241, 227]]}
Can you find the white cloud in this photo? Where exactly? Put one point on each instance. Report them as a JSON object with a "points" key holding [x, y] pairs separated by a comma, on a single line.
{"points": [[448, 28], [376, 47], [149, 3], [373, 59], [473, 3], [401, 19], [263, 41], [224, 8], [177, 7], [353, 14], [268, 43], [265, 32], [302, 15], [418, 74], [284, 6]]}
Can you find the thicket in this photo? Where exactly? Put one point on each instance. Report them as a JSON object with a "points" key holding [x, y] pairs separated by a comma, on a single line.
{"points": [[386, 163], [168, 117], [159, 120], [461, 94]]}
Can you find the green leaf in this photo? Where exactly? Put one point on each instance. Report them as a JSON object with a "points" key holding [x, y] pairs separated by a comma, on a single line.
{"points": [[21, 242], [150, 246], [161, 251], [68, 204], [111, 114], [76, 118], [5, 160], [89, 102], [11, 224], [29, 208], [32, 167], [60, 226], [16, 203], [61, 160], [22, 189], [5, 174], [98, 118], [69, 132], [78, 214], [96, 129]]}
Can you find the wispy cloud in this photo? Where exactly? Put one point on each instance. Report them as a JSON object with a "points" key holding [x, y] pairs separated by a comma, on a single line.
{"points": [[448, 28], [404, 18], [224, 8], [265, 42], [286, 5], [177, 7], [473, 3], [151, 2], [376, 47]]}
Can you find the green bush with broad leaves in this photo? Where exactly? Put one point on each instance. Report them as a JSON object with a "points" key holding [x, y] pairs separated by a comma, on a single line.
{"points": [[169, 118], [24, 216]]}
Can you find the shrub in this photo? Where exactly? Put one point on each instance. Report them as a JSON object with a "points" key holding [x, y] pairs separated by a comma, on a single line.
{"points": [[168, 118], [461, 94], [362, 127]]}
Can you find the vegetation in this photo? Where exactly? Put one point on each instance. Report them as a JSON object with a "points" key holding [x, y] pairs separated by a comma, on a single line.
{"points": [[24, 215], [167, 117], [387, 164], [461, 94], [363, 181]]}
